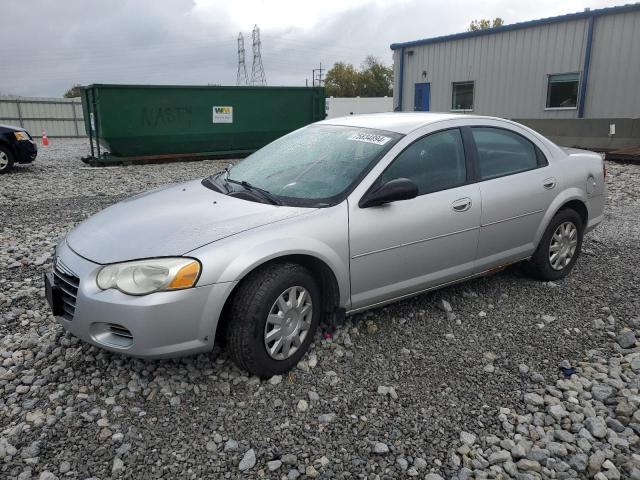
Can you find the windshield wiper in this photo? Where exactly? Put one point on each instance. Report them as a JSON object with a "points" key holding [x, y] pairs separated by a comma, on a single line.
{"points": [[214, 181], [264, 193]]}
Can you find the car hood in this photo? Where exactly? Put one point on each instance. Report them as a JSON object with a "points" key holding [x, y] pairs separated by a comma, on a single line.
{"points": [[169, 221], [11, 128]]}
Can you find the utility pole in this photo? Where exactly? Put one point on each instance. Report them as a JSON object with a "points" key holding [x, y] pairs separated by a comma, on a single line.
{"points": [[317, 78]]}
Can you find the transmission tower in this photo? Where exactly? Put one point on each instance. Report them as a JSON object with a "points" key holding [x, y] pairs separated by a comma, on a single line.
{"points": [[316, 78], [257, 71], [242, 78]]}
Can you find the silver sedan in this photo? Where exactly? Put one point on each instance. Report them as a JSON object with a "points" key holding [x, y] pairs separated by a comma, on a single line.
{"points": [[335, 218]]}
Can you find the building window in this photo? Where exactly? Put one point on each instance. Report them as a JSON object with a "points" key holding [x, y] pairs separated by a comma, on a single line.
{"points": [[562, 90], [462, 98]]}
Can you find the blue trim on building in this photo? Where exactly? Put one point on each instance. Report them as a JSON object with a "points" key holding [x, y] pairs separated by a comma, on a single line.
{"points": [[398, 108], [585, 69], [518, 26]]}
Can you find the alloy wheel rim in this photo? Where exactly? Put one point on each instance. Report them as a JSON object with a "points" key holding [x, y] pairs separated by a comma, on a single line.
{"points": [[288, 323], [562, 247], [4, 160]]}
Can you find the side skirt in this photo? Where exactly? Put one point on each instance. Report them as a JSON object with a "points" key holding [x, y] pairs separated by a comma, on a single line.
{"points": [[490, 271]]}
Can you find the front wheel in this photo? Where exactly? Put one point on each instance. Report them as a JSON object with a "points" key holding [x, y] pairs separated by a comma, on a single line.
{"points": [[274, 316], [559, 247], [6, 160]]}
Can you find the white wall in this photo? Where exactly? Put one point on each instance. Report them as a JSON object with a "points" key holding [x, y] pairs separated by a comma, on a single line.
{"points": [[340, 106]]}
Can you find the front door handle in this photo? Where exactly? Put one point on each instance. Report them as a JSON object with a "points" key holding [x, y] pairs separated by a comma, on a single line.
{"points": [[461, 205], [549, 183]]}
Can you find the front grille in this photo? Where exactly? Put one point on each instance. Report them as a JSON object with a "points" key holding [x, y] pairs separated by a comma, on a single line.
{"points": [[68, 283]]}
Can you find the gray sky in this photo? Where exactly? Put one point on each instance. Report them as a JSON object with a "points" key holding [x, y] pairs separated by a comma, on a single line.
{"points": [[46, 46]]}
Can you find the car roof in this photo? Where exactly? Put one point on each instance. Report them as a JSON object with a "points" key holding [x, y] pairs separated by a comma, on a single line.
{"points": [[406, 122], [399, 122]]}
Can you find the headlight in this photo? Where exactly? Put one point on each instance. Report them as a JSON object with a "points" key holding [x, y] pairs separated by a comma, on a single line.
{"points": [[21, 136], [147, 276]]}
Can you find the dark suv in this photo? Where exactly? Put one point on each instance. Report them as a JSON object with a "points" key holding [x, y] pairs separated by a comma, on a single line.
{"points": [[16, 146]]}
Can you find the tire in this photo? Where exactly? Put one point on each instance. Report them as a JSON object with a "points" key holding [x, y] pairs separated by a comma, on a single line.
{"points": [[261, 296], [6, 160], [541, 266]]}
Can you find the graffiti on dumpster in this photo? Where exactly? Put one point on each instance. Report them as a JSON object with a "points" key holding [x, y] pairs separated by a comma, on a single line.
{"points": [[166, 116]]}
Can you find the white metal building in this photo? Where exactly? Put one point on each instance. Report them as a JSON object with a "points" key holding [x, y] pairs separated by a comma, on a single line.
{"points": [[543, 72]]}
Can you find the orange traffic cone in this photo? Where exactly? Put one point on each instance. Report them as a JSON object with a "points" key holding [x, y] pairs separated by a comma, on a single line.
{"points": [[45, 139]]}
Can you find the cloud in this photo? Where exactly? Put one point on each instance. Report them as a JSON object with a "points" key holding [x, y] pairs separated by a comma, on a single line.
{"points": [[45, 47]]}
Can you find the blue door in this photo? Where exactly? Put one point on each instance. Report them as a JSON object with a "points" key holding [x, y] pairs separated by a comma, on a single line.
{"points": [[421, 98]]}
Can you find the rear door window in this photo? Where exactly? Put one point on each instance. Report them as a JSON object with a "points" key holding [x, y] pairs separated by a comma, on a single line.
{"points": [[502, 152]]}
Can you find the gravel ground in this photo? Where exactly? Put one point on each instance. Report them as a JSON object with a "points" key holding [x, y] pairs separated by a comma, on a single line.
{"points": [[465, 388]]}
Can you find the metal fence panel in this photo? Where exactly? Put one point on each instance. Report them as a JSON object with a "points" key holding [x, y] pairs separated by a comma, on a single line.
{"points": [[341, 106], [59, 117]]}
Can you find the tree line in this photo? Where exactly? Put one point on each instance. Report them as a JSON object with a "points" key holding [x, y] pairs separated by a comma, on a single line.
{"points": [[372, 79]]}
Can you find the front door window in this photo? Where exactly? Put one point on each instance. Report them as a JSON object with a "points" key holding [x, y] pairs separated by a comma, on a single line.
{"points": [[435, 162]]}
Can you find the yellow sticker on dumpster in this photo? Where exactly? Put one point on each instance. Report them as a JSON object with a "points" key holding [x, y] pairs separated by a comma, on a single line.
{"points": [[222, 114]]}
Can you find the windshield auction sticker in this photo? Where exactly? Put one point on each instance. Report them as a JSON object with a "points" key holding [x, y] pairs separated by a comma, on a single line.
{"points": [[369, 138], [222, 114]]}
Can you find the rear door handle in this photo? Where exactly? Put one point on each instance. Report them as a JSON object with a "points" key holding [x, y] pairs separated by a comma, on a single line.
{"points": [[461, 205], [549, 183]]}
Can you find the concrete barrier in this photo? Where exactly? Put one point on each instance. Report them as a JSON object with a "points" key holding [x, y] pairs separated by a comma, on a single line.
{"points": [[601, 134]]}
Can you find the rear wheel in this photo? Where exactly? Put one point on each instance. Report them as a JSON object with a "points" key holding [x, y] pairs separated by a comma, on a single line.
{"points": [[6, 160], [274, 315], [559, 247]]}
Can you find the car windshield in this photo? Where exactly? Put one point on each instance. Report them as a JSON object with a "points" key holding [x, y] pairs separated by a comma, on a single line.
{"points": [[315, 166]]}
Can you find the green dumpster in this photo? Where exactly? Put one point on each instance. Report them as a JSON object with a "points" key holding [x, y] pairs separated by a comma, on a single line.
{"points": [[138, 122]]}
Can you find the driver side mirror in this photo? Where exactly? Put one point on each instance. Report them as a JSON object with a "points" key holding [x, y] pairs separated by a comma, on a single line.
{"points": [[391, 191]]}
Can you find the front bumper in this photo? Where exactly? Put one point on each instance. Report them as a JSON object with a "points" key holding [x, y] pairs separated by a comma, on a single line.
{"points": [[26, 151], [159, 325]]}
